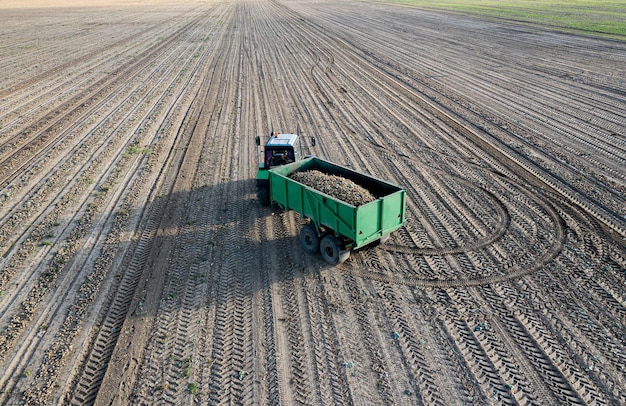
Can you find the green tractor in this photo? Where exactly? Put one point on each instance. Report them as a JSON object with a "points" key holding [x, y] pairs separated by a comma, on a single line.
{"points": [[280, 149], [333, 227]]}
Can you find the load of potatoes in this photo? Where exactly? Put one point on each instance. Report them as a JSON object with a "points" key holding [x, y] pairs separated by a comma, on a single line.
{"points": [[338, 187]]}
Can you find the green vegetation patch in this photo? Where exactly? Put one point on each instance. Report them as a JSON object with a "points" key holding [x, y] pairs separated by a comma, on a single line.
{"points": [[598, 17], [133, 149]]}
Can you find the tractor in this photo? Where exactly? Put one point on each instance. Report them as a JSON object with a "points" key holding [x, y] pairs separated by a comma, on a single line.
{"points": [[280, 149]]}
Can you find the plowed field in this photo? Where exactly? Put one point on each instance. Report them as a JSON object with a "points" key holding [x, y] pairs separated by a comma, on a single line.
{"points": [[136, 266]]}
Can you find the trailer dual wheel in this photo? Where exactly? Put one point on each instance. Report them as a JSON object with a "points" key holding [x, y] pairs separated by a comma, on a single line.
{"points": [[309, 240], [330, 248], [329, 245]]}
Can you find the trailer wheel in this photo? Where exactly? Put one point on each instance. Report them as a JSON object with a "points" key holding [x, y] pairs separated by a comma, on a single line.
{"points": [[330, 248], [309, 240]]}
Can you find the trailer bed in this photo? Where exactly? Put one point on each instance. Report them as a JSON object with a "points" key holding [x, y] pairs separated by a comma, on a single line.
{"points": [[359, 225]]}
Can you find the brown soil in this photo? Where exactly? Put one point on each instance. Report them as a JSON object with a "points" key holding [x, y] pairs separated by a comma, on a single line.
{"points": [[136, 266]]}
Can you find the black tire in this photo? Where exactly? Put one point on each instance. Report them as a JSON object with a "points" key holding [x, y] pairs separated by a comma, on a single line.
{"points": [[330, 248], [309, 240], [263, 195]]}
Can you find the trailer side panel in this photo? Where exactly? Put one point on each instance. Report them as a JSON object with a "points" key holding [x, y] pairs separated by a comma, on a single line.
{"points": [[363, 224]]}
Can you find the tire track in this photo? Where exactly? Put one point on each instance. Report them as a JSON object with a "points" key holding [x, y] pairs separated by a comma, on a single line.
{"points": [[138, 259], [501, 288], [84, 223]]}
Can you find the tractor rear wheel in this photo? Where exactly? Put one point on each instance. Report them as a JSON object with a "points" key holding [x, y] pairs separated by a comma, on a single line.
{"points": [[309, 240], [330, 248], [263, 195]]}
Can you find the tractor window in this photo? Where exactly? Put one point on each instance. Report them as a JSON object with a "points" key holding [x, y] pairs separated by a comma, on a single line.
{"points": [[277, 157]]}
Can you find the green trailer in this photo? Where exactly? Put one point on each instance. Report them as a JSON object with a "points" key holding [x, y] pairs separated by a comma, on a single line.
{"points": [[334, 227]]}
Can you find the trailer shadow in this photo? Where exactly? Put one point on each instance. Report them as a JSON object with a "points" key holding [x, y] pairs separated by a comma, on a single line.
{"points": [[195, 255], [216, 241]]}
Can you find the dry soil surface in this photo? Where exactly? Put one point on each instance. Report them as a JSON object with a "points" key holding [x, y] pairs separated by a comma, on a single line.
{"points": [[136, 266]]}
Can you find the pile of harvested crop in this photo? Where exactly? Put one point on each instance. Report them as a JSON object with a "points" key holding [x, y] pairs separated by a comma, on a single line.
{"points": [[335, 186]]}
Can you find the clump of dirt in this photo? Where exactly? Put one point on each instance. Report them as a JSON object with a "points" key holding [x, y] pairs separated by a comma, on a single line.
{"points": [[336, 186]]}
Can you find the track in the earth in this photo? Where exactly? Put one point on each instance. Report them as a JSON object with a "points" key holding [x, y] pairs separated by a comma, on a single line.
{"points": [[136, 266]]}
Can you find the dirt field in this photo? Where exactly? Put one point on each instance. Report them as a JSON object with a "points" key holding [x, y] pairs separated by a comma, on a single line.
{"points": [[136, 266]]}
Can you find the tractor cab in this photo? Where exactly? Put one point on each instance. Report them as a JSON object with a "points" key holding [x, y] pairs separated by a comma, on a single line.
{"points": [[280, 149]]}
